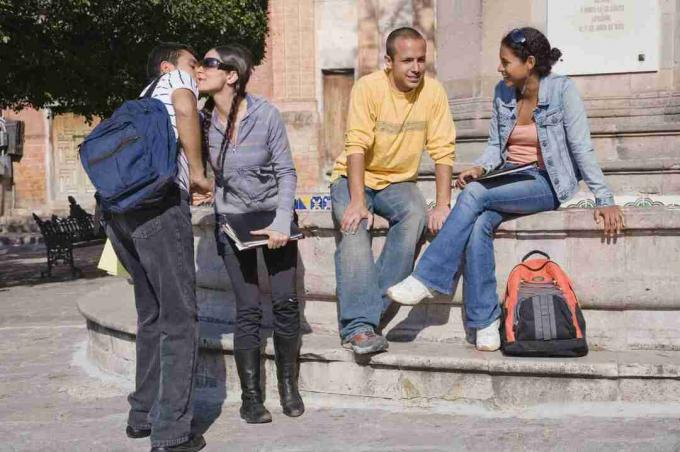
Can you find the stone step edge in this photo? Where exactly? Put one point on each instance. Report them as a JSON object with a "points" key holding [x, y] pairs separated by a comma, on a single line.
{"points": [[562, 220], [20, 239], [415, 355], [449, 300], [656, 165]]}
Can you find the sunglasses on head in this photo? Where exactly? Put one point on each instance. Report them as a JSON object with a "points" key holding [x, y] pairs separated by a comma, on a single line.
{"points": [[214, 63], [517, 37]]}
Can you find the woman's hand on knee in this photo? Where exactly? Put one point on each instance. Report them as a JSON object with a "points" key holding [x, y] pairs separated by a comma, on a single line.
{"points": [[468, 175]]}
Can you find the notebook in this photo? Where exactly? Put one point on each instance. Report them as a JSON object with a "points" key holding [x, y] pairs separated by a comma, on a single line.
{"points": [[506, 171], [237, 226]]}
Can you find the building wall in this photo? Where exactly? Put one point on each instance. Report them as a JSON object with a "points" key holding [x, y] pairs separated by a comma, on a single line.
{"points": [[377, 18], [634, 116], [336, 28], [292, 54], [30, 174], [49, 170]]}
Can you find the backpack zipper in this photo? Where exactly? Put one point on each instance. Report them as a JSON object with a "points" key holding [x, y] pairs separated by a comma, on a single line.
{"points": [[515, 321], [118, 148]]}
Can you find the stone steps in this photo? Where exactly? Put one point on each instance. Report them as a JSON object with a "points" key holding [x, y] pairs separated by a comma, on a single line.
{"points": [[411, 373], [628, 289], [639, 178], [638, 271], [434, 321]]}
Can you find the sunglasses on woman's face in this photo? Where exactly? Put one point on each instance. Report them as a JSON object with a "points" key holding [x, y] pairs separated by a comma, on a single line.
{"points": [[213, 63], [517, 37]]}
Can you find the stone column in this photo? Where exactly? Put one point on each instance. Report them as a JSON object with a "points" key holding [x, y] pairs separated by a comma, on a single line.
{"points": [[291, 52]]}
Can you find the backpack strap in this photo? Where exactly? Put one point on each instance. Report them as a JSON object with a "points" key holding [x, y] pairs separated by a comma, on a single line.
{"points": [[510, 301], [152, 87], [566, 286]]}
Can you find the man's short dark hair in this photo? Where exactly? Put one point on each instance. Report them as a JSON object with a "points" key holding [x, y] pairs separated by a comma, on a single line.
{"points": [[165, 51], [403, 32]]}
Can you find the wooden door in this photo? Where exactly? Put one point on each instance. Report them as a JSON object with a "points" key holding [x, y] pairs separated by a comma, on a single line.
{"points": [[337, 87], [68, 176]]}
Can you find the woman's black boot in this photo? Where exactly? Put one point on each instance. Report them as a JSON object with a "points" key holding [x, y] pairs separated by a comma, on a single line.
{"points": [[287, 350], [248, 366]]}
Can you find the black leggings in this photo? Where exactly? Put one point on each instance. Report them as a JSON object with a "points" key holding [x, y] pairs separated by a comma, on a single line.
{"points": [[281, 265]]}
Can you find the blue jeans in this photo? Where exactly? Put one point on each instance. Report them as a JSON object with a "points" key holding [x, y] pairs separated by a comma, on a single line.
{"points": [[468, 233], [361, 281]]}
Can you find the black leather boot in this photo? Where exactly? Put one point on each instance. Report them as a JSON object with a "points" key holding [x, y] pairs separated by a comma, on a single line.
{"points": [[286, 353], [248, 366]]}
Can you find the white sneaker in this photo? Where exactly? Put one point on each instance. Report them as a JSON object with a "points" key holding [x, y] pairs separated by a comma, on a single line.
{"points": [[489, 338], [410, 291]]}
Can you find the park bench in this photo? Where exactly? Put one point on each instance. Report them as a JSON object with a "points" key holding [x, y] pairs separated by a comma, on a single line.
{"points": [[62, 235]]}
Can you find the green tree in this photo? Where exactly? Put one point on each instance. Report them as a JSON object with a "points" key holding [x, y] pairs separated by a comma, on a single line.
{"points": [[87, 56]]}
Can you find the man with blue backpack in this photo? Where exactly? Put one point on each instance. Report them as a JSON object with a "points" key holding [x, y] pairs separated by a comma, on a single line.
{"points": [[144, 161]]}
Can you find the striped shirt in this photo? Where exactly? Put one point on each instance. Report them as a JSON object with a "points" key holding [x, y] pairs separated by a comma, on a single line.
{"points": [[166, 86]]}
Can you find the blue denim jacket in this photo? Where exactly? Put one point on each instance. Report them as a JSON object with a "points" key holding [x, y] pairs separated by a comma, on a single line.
{"points": [[563, 134]]}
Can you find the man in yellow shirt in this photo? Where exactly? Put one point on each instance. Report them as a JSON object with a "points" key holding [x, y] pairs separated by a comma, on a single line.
{"points": [[393, 116]]}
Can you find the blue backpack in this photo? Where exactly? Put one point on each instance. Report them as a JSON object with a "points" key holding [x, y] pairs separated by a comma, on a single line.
{"points": [[131, 157]]}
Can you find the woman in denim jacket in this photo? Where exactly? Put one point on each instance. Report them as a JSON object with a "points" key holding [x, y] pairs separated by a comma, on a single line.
{"points": [[254, 171], [539, 118]]}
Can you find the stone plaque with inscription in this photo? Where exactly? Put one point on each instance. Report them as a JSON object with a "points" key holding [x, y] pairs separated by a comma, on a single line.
{"points": [[604, 36]]}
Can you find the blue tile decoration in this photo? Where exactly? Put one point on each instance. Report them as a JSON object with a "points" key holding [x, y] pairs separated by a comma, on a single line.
{"points": [[317, 201], [326, 202], [322, 201]]}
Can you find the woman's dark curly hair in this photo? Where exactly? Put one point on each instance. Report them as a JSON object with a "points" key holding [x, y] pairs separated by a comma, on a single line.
{"points": [[536, 45]]}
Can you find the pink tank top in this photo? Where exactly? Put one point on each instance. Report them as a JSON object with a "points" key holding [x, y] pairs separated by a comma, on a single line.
{"points": [[523, 145]]}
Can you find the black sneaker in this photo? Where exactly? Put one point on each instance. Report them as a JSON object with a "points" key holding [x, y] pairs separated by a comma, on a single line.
{"points": [[136, 433], [366, 342], [194, 444]]}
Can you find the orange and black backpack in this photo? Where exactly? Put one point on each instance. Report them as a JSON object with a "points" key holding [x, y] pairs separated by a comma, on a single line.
{"points": [[541, 315]]}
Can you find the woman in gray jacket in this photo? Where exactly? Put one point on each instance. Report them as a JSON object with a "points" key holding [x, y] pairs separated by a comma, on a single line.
{"points": [[254, 171]]}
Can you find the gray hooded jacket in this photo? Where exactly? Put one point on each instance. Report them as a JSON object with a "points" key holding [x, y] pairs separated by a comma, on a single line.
{"points": [[258, 171]]}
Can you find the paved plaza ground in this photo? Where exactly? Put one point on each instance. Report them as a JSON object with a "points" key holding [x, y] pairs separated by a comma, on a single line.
{"points": [[51, 399]]}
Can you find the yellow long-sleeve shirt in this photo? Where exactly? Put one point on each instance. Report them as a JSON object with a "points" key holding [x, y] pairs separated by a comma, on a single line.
{"points": [[392, 128]]}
